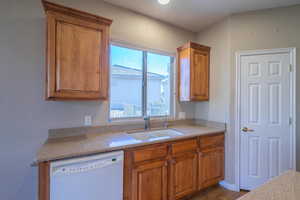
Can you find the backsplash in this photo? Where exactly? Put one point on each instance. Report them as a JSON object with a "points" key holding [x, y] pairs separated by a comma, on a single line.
{"points": [[127, 126]]}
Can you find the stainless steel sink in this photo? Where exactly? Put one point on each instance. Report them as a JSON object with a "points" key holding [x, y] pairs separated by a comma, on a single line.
{"points": [[153, 135]]}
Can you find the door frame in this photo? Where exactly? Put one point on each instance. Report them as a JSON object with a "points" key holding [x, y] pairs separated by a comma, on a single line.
{"points": [[237, 117]]}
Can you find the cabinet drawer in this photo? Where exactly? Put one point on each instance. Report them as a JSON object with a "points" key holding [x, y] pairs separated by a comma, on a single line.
{"points": [[150, 153], [184, 146], [211, 141]]}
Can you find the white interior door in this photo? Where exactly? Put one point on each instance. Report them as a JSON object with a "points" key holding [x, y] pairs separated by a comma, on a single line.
{"points": [[265, 136]]}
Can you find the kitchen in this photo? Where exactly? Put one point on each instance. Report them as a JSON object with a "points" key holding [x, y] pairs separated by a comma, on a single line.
{"points": [[27, 116]]}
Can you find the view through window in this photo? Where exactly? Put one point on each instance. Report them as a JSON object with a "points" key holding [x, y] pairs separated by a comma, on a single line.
{"points": [[139, 84]]}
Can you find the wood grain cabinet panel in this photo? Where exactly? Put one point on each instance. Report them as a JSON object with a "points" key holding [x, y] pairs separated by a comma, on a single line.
{"points": [[183, 175], [149, 181], [199, 74], [77, 54], [211, 167], [211, 141], [184, 146], [44, 181], [77, 58], [150, 153], [193, 72]]}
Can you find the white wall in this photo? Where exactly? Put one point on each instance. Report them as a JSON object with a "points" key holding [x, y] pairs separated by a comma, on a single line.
{"points": [[274, 28], [134, 28], [217, 108], [24, 115], [265, 29], [217, 37]]}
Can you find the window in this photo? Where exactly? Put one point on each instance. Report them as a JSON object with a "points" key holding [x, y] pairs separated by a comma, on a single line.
{"points": [[140, 83]]}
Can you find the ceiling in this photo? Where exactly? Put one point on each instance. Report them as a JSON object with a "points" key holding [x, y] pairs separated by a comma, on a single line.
{"points": [[194, 15]]}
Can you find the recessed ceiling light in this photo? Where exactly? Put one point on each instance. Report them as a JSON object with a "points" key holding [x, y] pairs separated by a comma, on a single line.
{"points": [[163, 2]]}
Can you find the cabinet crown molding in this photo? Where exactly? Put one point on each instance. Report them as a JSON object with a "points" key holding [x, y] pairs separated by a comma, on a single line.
{"points": [[194, 45], [49, 6]]}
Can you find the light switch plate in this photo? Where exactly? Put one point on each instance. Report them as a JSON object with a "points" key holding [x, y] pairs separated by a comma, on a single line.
{"points": [[87, 120], [181, 115]]}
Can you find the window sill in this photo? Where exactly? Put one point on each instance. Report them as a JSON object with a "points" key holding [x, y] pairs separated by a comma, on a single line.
{"points": [[138, 120]]}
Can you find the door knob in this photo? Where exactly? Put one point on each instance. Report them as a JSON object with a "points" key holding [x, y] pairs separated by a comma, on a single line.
{"points": [[245, 129]]}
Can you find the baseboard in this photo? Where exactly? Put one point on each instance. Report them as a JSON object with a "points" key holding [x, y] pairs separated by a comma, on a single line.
{"points": [[229, 186]]}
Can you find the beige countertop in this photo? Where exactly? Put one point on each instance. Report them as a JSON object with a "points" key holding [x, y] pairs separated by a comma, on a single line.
{"points": [[284, 187], [85, 144]]}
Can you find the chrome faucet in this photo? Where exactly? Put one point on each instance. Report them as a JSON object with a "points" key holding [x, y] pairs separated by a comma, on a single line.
{"points": [[147, 122]]}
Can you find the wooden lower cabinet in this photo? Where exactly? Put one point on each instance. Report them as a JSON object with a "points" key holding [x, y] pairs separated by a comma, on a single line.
{"points": [[164, 171], [149, 181], [173, 170], [183, 175], [44, 181], [211, 167]]}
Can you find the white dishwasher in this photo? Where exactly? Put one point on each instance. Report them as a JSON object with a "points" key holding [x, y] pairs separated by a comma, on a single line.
{"points": [[89, 178]]}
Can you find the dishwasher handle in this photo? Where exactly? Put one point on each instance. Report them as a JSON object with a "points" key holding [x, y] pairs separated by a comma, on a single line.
{"points": [[85, 166]]}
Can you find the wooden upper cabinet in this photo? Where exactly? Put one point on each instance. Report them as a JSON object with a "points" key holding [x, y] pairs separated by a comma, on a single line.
{"points": [[193, 72], [77, 54]]}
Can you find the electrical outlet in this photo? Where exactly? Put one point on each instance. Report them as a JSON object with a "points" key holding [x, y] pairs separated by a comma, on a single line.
{"points": [[87, 120], [181, 115]]}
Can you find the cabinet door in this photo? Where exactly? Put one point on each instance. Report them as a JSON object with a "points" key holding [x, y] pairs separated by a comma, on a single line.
{"points": [[199, 75], [211, 167], [149, 181], [77, 57], [183, 175]]}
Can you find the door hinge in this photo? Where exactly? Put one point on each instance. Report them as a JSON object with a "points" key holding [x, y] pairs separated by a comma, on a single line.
{"points": [[290, 120], [291, 67]]}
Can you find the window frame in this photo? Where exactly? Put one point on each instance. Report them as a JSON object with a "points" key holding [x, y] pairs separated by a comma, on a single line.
{"points": [[144, 83]]}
